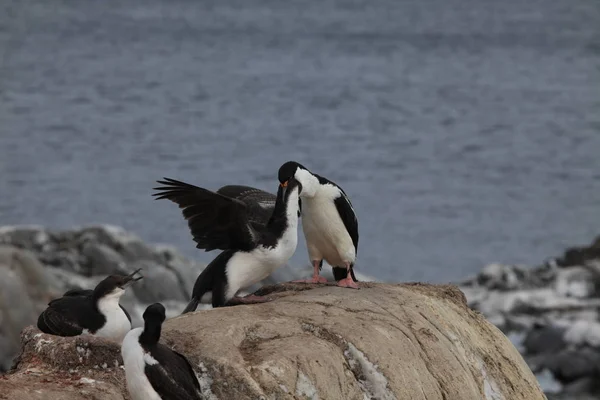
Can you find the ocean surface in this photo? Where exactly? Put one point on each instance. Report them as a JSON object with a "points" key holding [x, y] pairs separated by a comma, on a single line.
{"points": [[464, 131]]}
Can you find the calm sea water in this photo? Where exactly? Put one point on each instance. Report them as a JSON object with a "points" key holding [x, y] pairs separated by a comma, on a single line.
{"points": [[464, 131]]}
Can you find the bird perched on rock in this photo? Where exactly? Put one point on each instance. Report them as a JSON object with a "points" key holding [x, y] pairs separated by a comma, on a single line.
{"points": [[253, 247], [152, 370], [329, 223], [95, 312]]}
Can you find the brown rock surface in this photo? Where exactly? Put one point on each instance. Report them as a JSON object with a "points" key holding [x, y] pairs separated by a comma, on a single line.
{"points": [[63, 368], [383, 341]]}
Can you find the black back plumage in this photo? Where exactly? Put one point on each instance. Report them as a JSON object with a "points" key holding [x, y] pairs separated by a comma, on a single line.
{"points": [[172, 377], [70, 315], [89, 293]]}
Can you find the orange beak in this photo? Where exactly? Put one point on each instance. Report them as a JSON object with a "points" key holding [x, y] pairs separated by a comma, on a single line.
{"points": [[284, 184]]}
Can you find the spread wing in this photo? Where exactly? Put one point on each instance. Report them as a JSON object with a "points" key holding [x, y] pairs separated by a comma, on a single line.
{"points": [[215, 221], [260, 204], [63, 316], [172, 377]]}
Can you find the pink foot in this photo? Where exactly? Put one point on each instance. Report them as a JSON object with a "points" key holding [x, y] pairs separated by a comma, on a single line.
{"points": [[314, 279], [348, 283], [250, 299]]}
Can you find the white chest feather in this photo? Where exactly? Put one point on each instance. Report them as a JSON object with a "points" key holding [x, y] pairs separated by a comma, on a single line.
{"points": [[246, 269], [135, 360], [325, 232], [117, 325]]}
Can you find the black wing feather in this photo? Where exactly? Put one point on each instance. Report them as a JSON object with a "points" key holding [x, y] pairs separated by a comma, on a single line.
{"points": [[185, 363], [88, 293], [260, 204], [172, 377], [53, 323], [78, 292], [348, 216], [215, 221], [64, 316], [344, 207]]}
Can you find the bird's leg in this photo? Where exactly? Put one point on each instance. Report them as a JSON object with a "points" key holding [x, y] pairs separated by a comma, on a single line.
{"points": [[249, 299], [316, 278], [348, 282]]}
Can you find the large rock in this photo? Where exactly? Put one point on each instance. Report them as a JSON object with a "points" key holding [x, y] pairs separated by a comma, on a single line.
{"points": [[24, 286], [383, 342], [65, 368]]}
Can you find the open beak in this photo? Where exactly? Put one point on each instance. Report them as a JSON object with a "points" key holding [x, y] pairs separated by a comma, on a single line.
{"points": [[284, 184], [131, 278]]}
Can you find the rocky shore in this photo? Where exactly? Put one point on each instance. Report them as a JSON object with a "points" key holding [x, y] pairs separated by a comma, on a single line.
{"points": [[551, 312], [37, 265], [386, 342]]}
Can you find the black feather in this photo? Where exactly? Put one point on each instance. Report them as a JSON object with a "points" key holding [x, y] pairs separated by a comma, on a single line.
{"points": [[173, 377], [89, 292], [260, 204], [215, 221], [69, 316]]}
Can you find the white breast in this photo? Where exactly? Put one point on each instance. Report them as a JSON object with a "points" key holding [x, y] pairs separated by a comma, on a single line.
{"points": [[246, 269], [117, 324], [134, 360], [325, 232]]}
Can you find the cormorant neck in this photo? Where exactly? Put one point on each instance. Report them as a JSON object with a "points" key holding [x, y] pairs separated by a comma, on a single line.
{"points": [[151, 334], [285, 213], [279, 209]]}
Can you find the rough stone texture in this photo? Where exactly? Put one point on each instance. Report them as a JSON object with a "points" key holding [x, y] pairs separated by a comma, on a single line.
{"points": [[383, 341], [43, 264], [22, 278], [37, 265], [53, 367]]}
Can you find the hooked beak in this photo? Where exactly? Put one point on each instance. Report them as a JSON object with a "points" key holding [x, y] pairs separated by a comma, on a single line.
{"points": [[131, 278], [284, 186]]}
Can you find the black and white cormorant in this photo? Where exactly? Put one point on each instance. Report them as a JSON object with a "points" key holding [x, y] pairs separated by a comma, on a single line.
{"points": [[252, 248], [152, 370], [329, 223], [94, 312]]}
